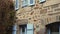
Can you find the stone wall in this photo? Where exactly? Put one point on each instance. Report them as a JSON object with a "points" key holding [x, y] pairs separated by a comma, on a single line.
{"points": [[40, 14]]}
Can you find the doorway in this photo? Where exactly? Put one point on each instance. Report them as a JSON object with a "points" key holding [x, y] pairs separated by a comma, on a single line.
{"points": [[23, 29], [53, 28]]}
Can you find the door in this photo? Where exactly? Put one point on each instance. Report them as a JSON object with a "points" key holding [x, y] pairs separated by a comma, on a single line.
{"points": [[29, 28]]}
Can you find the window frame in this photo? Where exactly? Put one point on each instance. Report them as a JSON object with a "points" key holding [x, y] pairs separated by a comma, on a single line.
{"points": [[28, 3], [30, 28], [14, 31], [42, 1], [24, 4], [16, 5]]}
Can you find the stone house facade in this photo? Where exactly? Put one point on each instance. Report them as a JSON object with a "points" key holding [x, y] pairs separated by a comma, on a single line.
{"points": [[43, 16]]}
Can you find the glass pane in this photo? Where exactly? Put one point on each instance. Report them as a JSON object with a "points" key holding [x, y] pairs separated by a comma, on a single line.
{"points": [[14, 27], [17, 3], [24, 2], [29, 26], [29, 31], [14, 32], [31, 1], [23, 29]]}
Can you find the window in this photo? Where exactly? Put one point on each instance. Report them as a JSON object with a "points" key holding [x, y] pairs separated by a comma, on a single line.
{"points": [[28, 2], [16, 4], [26, 29], [57, 18], [30, 29], [31, 2], [24, 3], [14, 29], [42, 1], [23, 29]]}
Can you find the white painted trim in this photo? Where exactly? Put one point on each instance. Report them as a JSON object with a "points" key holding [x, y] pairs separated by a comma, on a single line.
{"points": [[40, 1], [16, 5], [23, 5]]}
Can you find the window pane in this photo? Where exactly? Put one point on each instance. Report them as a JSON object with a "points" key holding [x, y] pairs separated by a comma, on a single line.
{"points": [[14, 32], [16, 3], [29, 28], [31, 1], [23, 29], [24, 2]]}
